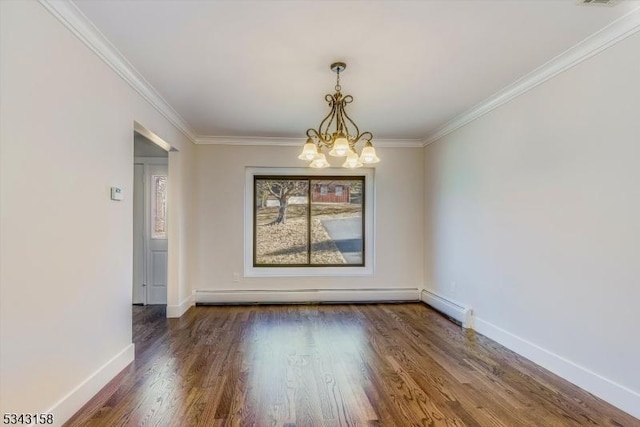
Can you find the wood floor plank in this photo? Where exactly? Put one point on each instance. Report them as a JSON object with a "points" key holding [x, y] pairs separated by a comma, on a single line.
{"points": [[331, 365]]}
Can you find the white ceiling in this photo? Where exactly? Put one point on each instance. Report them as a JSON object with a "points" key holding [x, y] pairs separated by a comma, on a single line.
{"points": [[261, 68]]}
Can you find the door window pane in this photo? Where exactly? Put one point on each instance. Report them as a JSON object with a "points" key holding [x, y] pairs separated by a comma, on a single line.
{"points": [[159, 207]]}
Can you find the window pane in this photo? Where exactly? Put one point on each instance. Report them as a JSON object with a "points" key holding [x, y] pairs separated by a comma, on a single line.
{"points": [[158, 207], [336, 222], [281, 221]]}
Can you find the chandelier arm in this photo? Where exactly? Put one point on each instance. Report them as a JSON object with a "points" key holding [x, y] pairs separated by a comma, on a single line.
{"points": [[325, 130], [357, 133], [321, 142], [339, 117], [329, 98], [343, 109], [365, 136], [312, 133], [368, 134]]}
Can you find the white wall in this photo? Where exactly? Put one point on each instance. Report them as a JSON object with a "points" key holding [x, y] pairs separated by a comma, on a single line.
{"points": [[66, 136], [180, 230], [533, 219], [220, 175]]}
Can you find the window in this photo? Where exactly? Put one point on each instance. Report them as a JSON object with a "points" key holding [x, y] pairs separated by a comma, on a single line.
{"points": [[302, 221], [158, 207], [308, 225]]}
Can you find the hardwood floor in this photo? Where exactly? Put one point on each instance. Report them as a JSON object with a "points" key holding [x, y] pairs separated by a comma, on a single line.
{"points": [[331, 365]]}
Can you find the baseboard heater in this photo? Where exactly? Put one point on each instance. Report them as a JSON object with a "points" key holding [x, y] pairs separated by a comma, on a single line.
{"points": [[302, 296], [459, 313]]}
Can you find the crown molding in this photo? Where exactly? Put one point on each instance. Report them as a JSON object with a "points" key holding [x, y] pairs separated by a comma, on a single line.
{"points": [[288, 142], [248, 140], [72, 18], [608, 36]]}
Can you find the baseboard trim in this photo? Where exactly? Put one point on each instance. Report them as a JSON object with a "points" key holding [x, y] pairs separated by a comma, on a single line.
{"points": [[66, 407], [305, 295], [618, 395], [176, 311], [460, 312]]}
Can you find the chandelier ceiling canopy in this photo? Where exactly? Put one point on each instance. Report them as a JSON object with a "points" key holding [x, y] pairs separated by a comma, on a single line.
{"points": [[338, 133]]}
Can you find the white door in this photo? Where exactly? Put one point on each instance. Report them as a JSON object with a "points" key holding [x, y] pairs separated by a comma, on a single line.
{"points": [[139, 236], [156, 237]]}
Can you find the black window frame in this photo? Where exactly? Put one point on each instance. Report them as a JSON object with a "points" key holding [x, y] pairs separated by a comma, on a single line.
{"points": [[308, 178]]}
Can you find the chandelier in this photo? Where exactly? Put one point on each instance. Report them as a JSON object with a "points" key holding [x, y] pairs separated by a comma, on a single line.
{"points": [[338, 133]]}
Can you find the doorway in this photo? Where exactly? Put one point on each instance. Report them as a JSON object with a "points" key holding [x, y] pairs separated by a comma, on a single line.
{"points": [[150, 242]]}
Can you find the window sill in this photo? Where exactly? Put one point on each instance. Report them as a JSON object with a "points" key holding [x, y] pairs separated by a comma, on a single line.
{"points": [[307, 271]]}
